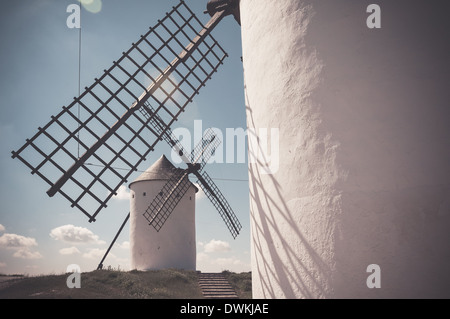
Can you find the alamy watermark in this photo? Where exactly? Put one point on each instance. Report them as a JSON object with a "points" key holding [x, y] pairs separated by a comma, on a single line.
{"points": [[374, 279], [73, 21], [374, 19], [74, 279], [258, 146]]}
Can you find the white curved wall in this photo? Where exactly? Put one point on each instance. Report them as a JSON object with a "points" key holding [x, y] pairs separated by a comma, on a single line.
{"points": [[364, 173], [174, 246]]}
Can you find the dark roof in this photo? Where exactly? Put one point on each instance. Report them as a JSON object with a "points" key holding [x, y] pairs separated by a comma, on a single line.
{"points": [[162, 169]]}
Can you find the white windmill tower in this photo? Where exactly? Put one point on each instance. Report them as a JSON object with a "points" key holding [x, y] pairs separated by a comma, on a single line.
{"points": [[364, 153], [175, 245]]}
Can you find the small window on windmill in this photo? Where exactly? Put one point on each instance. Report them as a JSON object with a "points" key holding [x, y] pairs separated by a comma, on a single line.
{"points": [[161, 193], [144, 194]]}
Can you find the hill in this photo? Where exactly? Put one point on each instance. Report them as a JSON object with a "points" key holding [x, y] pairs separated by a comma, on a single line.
{"points": [[112, 284]]}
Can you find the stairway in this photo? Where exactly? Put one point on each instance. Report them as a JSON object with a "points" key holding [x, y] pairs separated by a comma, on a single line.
{"points": [[216, 286]]}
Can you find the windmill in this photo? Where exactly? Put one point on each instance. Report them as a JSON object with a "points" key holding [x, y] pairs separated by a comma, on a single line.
{"points": [[173, 197], [166, 67], [162, 206], [177, 185]]}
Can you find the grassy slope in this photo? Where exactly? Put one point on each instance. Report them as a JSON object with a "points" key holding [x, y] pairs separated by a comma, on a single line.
{"points": [[111, 284], [102, 284]]}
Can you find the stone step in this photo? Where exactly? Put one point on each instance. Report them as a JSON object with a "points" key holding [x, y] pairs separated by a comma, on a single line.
{"points": [[216, 286]]}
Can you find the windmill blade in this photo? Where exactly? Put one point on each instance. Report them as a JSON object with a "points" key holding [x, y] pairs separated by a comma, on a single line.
{"points": [[220, 203], [205, 148], [163, 130], [111, 133], [168, 198], [165, 202]]}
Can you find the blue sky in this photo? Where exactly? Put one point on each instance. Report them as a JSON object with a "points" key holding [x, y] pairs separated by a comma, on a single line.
{"points": [[39, 74]]}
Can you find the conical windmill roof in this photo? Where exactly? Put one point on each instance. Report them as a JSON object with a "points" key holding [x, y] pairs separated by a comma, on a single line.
{"points": [[162, 169]]}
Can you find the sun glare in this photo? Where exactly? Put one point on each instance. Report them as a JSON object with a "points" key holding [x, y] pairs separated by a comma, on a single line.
{"points": [[94, 6]]}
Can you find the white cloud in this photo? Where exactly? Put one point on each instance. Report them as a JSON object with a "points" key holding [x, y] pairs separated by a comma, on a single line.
{"points": [[231, 261], [15, 241], [69, 251], [31, 267], [2, 228], [201, 257], [216, 246], [21, 244], [124, 245], [207, 263], [214, 256], [96, 253], [2, 265], [25, 253], [75, 235], [122, 193]]}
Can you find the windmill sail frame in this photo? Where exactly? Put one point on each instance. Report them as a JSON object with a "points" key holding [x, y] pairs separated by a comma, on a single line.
{"points": [[176, 187], [111, 103]]}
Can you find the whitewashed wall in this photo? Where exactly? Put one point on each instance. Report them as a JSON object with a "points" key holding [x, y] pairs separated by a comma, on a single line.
{"points": [[174, 246], [364, 172]]}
